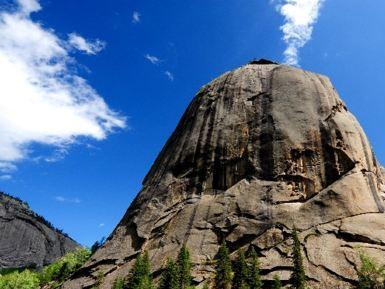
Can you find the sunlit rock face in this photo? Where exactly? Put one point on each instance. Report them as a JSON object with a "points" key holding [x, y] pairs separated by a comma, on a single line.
{"points": [[26, 239], [260, 150]]}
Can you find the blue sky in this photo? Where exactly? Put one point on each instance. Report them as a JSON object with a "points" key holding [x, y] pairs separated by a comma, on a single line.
{"points": [[146, 60]]}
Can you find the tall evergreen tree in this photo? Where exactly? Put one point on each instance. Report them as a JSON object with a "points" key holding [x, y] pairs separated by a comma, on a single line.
{"points": [[241, 273], [277, 282], [140, 276], [184, 268], [255, 281], [170, 276], [223, 269], [298, 277]]}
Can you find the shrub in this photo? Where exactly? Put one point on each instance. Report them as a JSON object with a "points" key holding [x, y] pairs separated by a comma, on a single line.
{"points": [[277, 282], [64, 267], [20, 280], [370, 274], [118, 283], [54, 274]]}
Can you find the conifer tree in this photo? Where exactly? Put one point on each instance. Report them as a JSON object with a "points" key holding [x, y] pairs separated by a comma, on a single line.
{"points": [[223, 269], [140, 276], [184, 268], [170, 276], [298, 277], [255, 281], [277, 282], [241, 272]]}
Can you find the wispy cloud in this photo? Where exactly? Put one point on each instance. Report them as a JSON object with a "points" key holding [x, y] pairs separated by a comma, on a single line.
{"points": [[86, 46], [153, 59], [101, 225], [5, 177], [300, 17], [62, 199], [169, 75], [43, 100], [136, 17]]}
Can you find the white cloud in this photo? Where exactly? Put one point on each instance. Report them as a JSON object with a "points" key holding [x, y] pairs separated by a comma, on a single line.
{"points": [[101, 225], [61, 199], [86, 46], [136, 17], [169, 75], [5, 177], [28, 6], [300, 17], [152, 59], [42, 99]]}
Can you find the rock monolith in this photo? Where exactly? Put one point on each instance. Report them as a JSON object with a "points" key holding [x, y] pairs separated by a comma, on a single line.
{"points": [[259, 151]]}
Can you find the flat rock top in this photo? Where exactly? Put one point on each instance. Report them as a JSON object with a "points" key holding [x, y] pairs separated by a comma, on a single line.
{"points": [[259, 150], [26, 239]]}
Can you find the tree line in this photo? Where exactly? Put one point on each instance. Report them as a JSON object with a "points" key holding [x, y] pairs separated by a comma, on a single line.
{"points": [[243, 273]]}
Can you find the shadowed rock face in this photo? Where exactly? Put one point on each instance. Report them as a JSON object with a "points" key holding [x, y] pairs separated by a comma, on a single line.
{"points": [[27, 240], [259, 150]]}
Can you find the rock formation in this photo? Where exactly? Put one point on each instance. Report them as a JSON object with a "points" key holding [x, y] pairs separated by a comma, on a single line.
{"points": [[26, 239], [259, 151]]}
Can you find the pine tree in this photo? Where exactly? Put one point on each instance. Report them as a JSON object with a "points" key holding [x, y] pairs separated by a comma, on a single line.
{"points": [[140, 275], [184, 268], [255, 281], [170, 276], [223, 271], [298, 277], [146, 282], [118, 283], [241, 272], [277, 282]]}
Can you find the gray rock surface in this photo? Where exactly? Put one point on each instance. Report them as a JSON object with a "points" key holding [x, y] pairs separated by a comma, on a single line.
{"points": [[26, 239], [260, 149]]}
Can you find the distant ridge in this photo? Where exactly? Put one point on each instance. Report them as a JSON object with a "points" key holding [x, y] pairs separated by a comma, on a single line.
{"points": [[27, 239]]}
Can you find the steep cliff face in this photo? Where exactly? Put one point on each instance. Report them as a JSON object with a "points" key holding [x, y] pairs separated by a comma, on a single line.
{"points": [[26, 239], [259, 151]]}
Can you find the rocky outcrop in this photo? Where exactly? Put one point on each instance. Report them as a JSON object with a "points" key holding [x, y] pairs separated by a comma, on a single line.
{"points": [[26, 239], [259, 151]]}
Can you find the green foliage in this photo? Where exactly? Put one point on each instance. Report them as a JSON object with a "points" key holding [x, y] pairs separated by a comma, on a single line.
{"points": [[140, 276], [370, 274], [53, 274], [64, 267], [20, 280], [223, 275], [241, 273], [99, 280], [170, 277], [277, 283], [298, 277], [184, 267], [206, 286], [118, 283], [255, 281]]}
